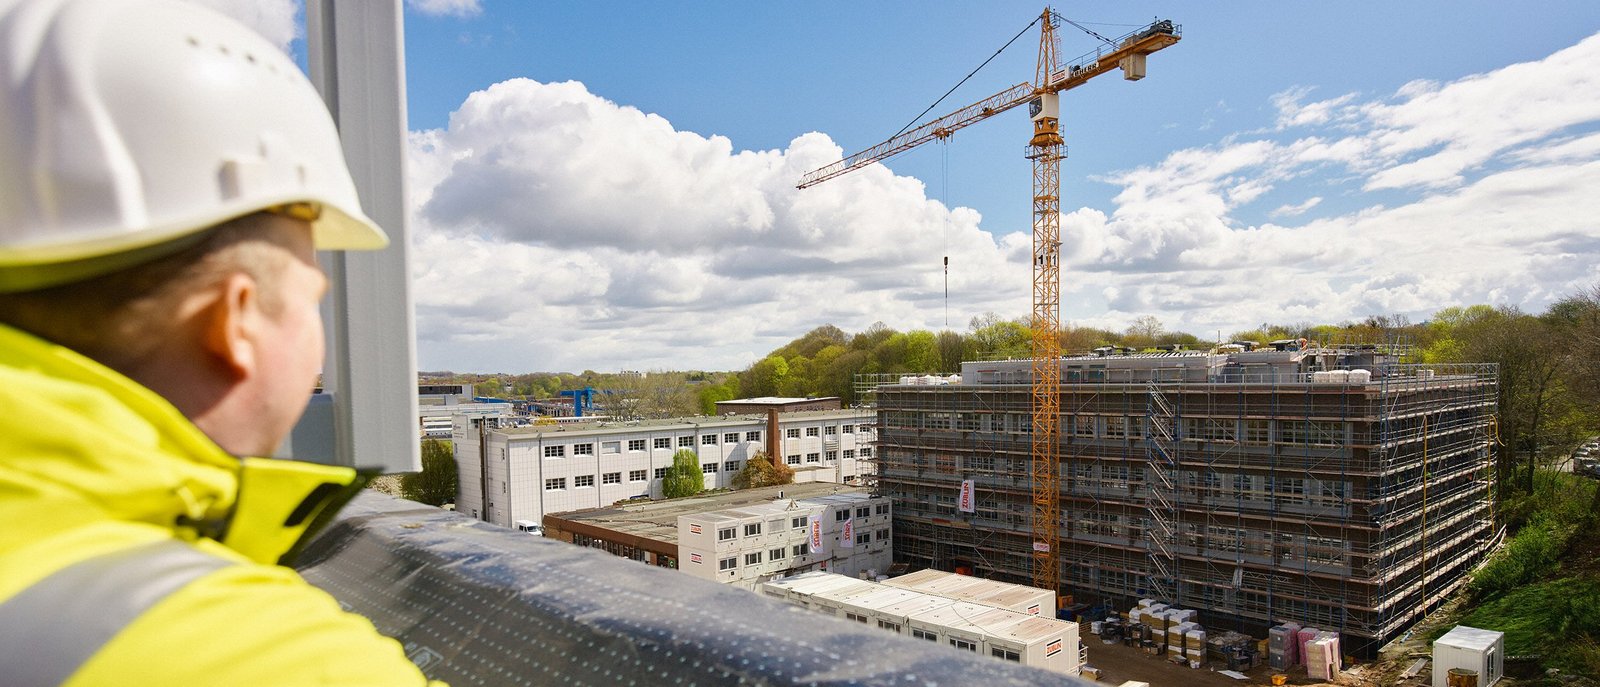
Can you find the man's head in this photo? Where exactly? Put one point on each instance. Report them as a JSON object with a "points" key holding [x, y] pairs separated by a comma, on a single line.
{"points": [[165, 174], [227, 329]]}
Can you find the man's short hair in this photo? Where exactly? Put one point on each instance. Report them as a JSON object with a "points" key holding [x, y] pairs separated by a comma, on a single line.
{"points": [[121, 317]]}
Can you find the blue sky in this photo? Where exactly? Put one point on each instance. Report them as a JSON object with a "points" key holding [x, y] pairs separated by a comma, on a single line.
{"points": [[604, 186]]}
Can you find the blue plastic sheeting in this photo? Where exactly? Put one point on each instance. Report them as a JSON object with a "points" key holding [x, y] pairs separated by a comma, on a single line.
{"points": [[476, 604]]}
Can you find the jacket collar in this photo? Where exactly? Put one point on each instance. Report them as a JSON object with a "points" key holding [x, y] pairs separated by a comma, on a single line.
{"points": [[85, 443]]}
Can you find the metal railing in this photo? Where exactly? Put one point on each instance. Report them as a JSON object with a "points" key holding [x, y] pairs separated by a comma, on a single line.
{"points": [[476, 604]]}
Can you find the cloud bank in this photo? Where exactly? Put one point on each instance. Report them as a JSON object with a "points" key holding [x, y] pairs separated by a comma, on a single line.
{"points": [[557, 230]]}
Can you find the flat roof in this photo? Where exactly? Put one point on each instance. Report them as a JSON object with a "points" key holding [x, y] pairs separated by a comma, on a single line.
{"points": [[776, 400], [685, 423], [658, 520]]}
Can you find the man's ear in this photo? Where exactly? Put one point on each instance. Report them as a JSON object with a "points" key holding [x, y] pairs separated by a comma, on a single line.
{"points": [[230, 325]]}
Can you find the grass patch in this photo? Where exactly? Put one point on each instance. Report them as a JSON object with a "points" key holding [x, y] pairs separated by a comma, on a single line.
{"points": [[1558, 620]]}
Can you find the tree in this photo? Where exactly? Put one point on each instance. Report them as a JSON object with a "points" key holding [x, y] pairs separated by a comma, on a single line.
{"points": [[436, 484], [684, 478], [1144, 332], [994, 338], [761, 471]]}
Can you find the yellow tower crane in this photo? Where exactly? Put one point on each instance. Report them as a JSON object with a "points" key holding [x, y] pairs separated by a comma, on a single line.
{"points": [[1127, 53]]}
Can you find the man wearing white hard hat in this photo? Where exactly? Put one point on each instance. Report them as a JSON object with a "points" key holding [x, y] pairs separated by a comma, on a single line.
{"points": [[165, 175]]}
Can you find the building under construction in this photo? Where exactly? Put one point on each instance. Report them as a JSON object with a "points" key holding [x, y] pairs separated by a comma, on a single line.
{"points": [[1333, 487]]}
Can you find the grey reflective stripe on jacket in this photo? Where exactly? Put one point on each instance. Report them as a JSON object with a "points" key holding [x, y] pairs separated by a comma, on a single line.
{"points": [[52, 628]]}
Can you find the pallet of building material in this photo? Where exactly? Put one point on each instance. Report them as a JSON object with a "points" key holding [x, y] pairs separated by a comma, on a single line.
{"points": [[1322, 656]]}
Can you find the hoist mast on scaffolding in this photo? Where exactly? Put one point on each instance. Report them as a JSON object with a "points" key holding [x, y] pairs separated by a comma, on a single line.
{"points": [[1045, 149]]}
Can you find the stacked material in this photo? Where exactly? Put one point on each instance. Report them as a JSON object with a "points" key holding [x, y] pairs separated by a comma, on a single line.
{"points": [[1235, 650], [1194, 646], [1322, 656], [1303, 643], [1283, 646]]}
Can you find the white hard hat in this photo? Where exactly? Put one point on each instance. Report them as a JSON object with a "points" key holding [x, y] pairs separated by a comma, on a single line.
{"points": [[126, 126]]}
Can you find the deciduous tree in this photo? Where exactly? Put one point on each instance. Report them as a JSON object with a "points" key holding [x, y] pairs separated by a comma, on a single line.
{"points": [[684, 478]]}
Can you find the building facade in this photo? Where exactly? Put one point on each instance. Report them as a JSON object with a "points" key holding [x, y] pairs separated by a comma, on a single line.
{"points": [[847, 533], [512, 474], [1330, 487], [743, 537]]}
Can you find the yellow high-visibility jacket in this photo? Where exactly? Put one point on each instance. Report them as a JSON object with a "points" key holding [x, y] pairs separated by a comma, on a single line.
{"points": [[96, 469]]}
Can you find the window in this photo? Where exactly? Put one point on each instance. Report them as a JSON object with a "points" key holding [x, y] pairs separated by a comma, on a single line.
{"points": [[583, 449], [708, 439], [923, 634], [1116, 427], [664, 442], [848, 429], [777, 554], [849, 454], [811, 431], [792, 459], [727, 533], [730, 437], [661, 473], [752, 436], [792, 432], [852, 616], [863, 511], [886, 625], [1257, 431], [813, 457], [583, 481], [1006, 654], [865, 428], [752, 529], [636, 475], [555, 451], [798, 550], [963, 644], [610, 447], [555, 483], [841, 515], [830, 430], [611, 478], [881, 535], [866, 451], [709, 468], [727, 564], [635, 444], [864, 538], [881, 509], [832, 456], [730, 466], [752, 558], [685, 442], [798, 523]]}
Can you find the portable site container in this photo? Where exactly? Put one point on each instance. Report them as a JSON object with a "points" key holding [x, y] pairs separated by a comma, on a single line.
{"points": [[955, 625], [1041, 643], [1016, 597], [836, 600], [1469, 648], [888, 607], [800, 589]]}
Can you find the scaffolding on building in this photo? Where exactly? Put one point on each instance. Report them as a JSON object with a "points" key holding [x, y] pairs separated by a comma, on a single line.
{"points": [[1344, 505]]}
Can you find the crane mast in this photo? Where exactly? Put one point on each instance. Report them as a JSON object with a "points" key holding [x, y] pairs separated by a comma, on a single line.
{"points": [[1046, 149]]}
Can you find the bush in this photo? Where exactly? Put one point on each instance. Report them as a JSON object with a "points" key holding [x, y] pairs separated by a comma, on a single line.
{"points": [[437, 483], [762, 471], [684, 478]]}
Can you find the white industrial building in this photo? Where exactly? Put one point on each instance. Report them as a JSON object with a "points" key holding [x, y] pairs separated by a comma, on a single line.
{"points": [[511, 474], [844, 533], [998, 631]]}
